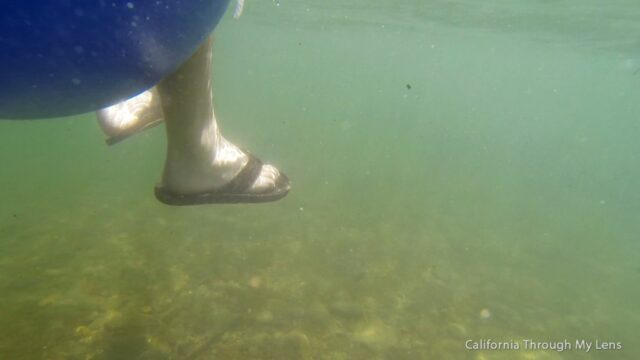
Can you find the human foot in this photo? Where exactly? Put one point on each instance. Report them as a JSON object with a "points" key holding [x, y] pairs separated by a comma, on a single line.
{"points": [[254, 183], [201, 165], [131, 116]]}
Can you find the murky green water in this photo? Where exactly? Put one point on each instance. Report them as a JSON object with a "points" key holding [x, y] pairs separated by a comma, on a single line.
{"points": [[462, 171]]}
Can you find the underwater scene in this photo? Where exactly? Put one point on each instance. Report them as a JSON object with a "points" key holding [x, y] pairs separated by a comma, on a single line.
{"points": [[465, 185]]}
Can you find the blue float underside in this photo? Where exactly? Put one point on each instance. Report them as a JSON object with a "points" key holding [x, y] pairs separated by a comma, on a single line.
{"points": [[67, 57]]}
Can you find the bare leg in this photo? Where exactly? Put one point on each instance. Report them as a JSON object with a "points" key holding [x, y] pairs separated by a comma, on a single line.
{"points": [[201, 165]]}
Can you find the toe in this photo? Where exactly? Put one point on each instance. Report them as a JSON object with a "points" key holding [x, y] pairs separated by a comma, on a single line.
{"points": [[268, 180]]}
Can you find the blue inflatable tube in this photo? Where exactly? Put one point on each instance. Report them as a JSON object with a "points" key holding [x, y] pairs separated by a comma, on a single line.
{"points": [[64, 57]]}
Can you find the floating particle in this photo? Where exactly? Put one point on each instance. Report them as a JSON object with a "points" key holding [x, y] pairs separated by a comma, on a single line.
{"points": [[485, 314], [255, 282]]}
